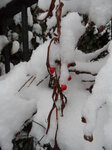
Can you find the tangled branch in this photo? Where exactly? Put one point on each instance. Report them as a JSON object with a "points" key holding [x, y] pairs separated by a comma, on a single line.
{"points": [[57, 91]]}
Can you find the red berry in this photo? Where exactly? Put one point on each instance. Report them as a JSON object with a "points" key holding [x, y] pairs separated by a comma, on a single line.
{"points": [[69, 78], [68, 65], [52, 70], [63, 87]]}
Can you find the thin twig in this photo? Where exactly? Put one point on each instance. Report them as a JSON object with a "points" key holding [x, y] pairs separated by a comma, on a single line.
{"points": [[88, 80], [41, 139], [39, 124], [31, 81], [42, 80], [90, 88], [25, 84]]}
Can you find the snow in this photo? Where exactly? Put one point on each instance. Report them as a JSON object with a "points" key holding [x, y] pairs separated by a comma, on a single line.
{"points": [[38, 40], [15, 36], [64, 74], [37, 28], [101, 95], [82, 57], [14, 110], [91, 66], [3, 42], [30, 36], [3, 3], [42, 16], [44, 4], [99, 11], [70, 134], [40, 71], [51, 22], [24, 103], [30, 18], [17, 18], [15, 47], [71, 30]]}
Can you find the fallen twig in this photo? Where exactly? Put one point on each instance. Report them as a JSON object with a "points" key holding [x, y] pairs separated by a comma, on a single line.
{"points": [[25, 83], [39, 124], [42, 80], [31, 81]]}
